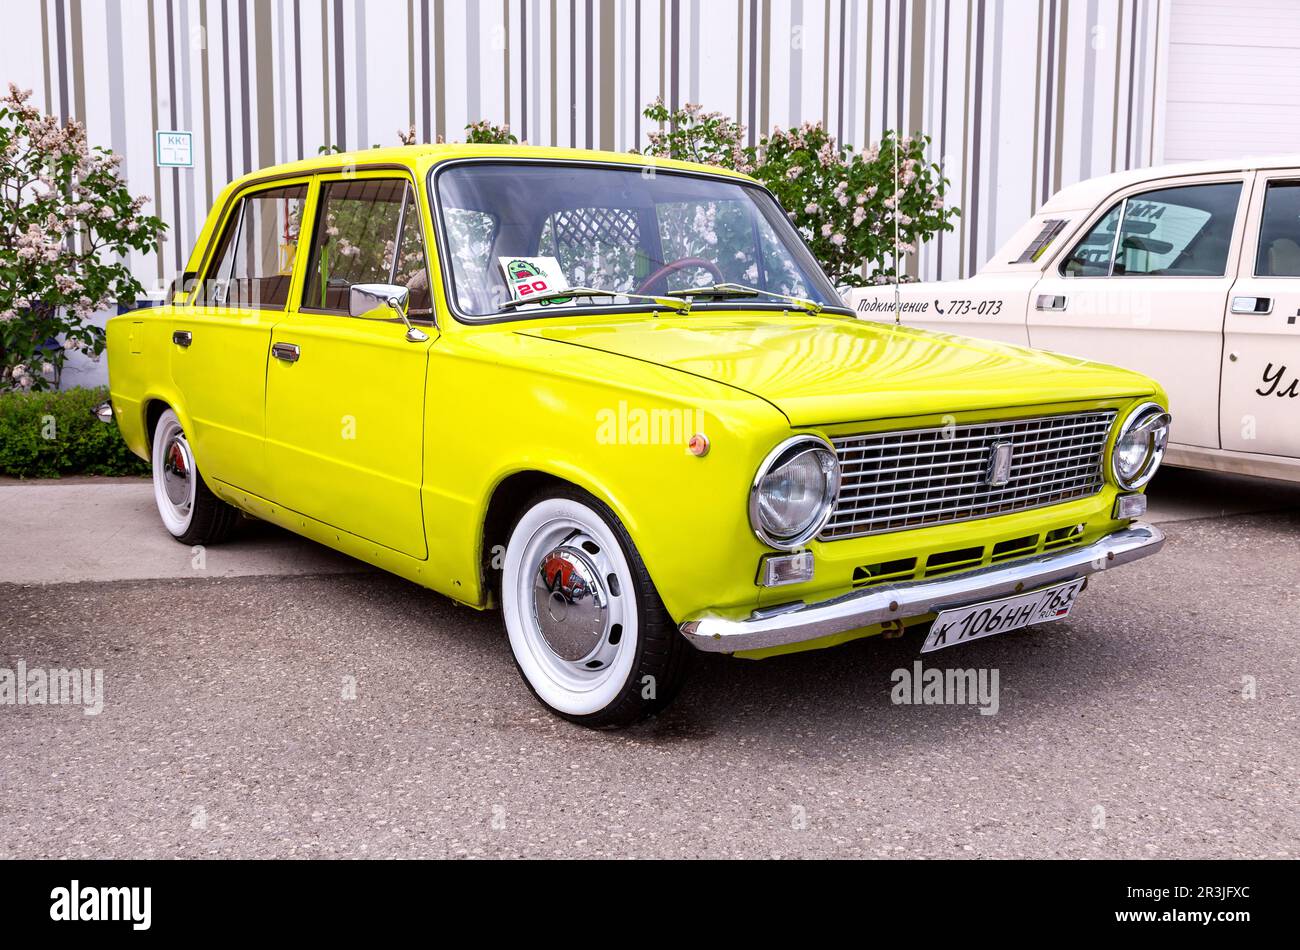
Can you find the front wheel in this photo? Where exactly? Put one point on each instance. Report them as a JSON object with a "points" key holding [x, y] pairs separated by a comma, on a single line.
{"points": [[189, 510], [589, 633]]}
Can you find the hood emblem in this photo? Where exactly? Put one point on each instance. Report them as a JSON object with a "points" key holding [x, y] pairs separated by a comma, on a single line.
{"points": [[999, 470]]}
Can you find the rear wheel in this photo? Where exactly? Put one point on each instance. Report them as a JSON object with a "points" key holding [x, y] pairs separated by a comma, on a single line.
{"points": [[589, 633], [189, 510]]}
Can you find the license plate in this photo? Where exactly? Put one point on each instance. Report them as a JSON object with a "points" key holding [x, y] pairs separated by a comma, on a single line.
{"points": [[964, 624]]}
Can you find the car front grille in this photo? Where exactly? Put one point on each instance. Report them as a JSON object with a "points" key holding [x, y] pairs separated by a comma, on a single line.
{"points": [[924, 477]]}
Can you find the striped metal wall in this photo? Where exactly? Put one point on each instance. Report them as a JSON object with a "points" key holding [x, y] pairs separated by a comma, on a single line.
{"points": [[1020, 96]]}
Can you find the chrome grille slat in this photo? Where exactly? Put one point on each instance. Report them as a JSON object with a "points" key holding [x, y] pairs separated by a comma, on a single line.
{"points": [[994, 508], [977, 472], [923, 477], [842, 441], [866, 462], [947, 498]]}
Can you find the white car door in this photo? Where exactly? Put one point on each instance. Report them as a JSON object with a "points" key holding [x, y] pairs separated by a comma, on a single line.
{"points": [[1260, 403], [1146, 288]]}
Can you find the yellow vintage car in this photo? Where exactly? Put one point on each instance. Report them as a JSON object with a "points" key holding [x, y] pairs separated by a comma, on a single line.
{"points": [[618, 398]]}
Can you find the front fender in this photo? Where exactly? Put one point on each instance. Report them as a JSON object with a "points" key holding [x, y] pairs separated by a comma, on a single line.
{"points": [[687, 515]]}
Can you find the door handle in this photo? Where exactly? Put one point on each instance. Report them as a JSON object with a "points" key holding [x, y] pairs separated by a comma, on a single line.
{"points": [[1049, 302], [1259, 305], [182, 337], [288, 352]]}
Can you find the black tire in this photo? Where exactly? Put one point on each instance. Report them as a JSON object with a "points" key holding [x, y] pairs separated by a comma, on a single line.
{"points": [[214, 520], [662, 653], [208, 520]]}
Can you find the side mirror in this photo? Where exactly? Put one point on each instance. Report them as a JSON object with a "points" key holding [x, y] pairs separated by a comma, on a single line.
{"points": [[381, 302]]}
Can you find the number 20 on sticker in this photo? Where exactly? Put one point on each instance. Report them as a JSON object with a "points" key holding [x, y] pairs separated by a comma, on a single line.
{"points": [[536, 287]]}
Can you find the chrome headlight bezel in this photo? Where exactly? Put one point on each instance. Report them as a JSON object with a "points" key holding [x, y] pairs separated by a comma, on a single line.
{"points": [[785, 453], [1154, 419]]}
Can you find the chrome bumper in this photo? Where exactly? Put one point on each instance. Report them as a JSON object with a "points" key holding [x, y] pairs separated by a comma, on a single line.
{"points": [[799, 622]]}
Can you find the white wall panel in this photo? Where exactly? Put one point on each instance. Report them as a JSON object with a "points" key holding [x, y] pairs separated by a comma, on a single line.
{"points": [[1065, 88]]}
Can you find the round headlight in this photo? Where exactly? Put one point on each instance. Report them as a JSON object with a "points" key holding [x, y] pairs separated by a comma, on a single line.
{"points": [[794, 491], [1140, 445]]}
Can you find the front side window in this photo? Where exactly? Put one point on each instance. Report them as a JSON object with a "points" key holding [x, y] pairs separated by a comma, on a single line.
{"points": [[1173, 232], [254, 261], [367, 232], [1279, 231], [619, 229]]}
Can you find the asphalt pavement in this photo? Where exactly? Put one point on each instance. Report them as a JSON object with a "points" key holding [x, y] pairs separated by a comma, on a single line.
{"points": [[279, 700]]}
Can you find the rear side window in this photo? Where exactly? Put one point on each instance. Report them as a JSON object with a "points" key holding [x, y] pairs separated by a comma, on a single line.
{"points": [[367, 232], [254, 260], [1279, 231], [1172, 232]]}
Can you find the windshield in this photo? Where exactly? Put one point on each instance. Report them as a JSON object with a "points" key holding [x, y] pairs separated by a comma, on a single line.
{"points": [[628, 231]]}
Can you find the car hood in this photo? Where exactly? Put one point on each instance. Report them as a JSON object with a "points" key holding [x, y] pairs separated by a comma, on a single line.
{"points": [[827, 369]]}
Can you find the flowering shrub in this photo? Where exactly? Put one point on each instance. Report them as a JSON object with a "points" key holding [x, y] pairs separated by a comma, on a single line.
{"points": [[693, 135], [852, 206], [845, 202], [484, 132], [67, 223]]}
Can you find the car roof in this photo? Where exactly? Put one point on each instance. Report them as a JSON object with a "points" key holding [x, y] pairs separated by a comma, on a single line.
{"points": [[1088, 194], [422, 157]]}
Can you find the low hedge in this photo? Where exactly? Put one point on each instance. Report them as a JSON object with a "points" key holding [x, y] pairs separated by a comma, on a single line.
{"points": [[48, 434]]}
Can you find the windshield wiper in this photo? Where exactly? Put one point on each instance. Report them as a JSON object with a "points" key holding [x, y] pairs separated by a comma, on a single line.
{"points": [[727, 291], [672, 303]]}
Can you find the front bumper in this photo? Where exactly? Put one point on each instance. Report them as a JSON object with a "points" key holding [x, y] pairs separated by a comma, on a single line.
{"points": [[798, 623]]}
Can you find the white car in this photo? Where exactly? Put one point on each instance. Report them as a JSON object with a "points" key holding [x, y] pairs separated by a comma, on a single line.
{"points": [[1188, 273]]}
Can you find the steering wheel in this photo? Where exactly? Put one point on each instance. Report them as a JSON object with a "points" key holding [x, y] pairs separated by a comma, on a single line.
{"points": [[682, 263]]}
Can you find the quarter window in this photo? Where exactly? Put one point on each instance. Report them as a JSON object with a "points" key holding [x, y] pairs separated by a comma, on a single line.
{"points": [[255, 257], [1279, 231], [1051, 228], [367, 232], [1173, 232]]}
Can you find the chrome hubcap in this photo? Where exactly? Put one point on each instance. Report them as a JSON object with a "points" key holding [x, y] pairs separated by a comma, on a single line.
{"points": [[177, 472], [570, 605], [574, 602]]}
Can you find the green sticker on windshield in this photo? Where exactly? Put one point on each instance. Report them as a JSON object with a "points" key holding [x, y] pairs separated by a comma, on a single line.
{"points": [[534, 277]]}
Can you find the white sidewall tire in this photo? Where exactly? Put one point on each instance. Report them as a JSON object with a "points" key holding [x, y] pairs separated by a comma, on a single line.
{"points": [[525, 637], [176, 522]]}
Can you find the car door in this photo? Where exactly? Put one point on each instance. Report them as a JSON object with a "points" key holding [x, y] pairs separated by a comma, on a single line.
{"points": [[1145, 288], [220, 340], [1260, 401], [345, 395]]}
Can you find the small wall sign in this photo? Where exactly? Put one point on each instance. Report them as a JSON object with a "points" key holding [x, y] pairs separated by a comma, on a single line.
{"points": [[174, 149]]}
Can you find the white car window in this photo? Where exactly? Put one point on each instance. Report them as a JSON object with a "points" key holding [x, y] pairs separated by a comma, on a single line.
{"points": [[1172, 232], [1279, 231], [1091, 256]]}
